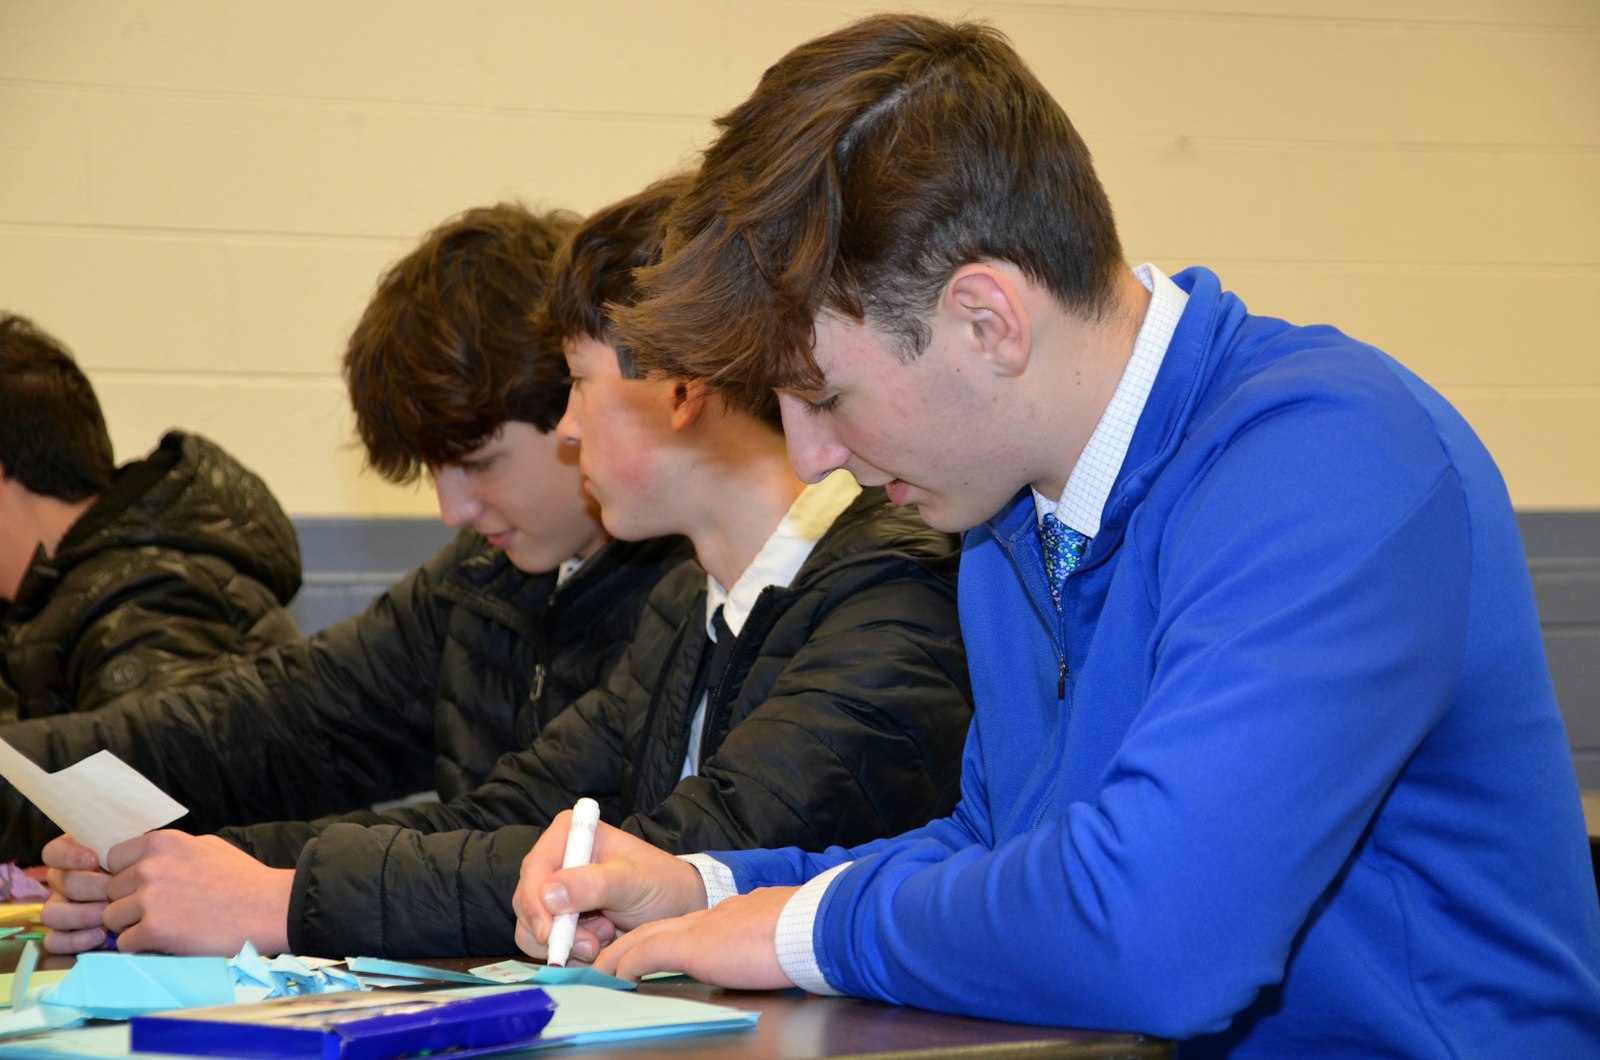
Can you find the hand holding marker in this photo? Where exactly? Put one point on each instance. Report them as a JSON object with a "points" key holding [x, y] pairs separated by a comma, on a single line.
{"points": [[580, 844]]}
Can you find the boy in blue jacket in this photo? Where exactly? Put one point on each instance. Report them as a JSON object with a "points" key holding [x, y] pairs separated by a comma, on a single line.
{"points": [[1266, 754]]}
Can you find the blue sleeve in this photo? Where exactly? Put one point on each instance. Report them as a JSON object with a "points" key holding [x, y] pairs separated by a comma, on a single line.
{"points": [[1308, 582]]}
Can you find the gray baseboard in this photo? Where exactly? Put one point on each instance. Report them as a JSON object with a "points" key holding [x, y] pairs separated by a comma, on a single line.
{"points": [[1564, 557], [349, 561]]}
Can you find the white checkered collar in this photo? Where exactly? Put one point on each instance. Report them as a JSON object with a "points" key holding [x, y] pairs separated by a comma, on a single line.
{"points": [[1084, 499]]}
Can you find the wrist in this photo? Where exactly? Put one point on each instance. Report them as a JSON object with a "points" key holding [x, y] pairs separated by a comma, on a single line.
{"points": [[270, 934]]}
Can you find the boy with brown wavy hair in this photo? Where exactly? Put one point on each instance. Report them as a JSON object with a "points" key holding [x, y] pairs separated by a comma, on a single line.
{"points": [[1265, 754]]}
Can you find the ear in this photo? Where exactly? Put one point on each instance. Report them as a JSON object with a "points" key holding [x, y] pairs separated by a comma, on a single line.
{"points": [[688, 402], [989, 311]]}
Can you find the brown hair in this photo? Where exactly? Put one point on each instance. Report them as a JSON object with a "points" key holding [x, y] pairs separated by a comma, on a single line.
{"points": [[595, 272], [868, 166], [443, 356], [53, 437]]}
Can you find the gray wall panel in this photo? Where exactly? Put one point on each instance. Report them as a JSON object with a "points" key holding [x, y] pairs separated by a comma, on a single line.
{"points": [[348, 561]]}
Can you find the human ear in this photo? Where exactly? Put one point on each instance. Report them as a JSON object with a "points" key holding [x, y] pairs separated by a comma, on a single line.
{"points": [[989, 311], [688, 401]]}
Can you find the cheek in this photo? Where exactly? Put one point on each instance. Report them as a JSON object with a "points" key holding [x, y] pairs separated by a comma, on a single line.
{"points": [[615, 460], [879, 436]]}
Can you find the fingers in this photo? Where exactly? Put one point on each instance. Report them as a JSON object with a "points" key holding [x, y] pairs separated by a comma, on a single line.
{"points": [[646, 949], [733, 945], [599, 926], [64, 852], [78, 886], [533, 920], [66, 915], [72, 913], [627, 890], [130, 852], [122, 917], [74, 941]]}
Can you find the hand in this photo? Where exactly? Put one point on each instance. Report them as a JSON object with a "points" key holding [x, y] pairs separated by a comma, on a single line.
{"points": [[627, 882], [733, 945], [77, 899], [171, 892]]}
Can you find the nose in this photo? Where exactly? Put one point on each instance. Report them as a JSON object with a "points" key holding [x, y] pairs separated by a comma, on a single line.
{"points": [[814, 449], [458, 502], [568, 429]]}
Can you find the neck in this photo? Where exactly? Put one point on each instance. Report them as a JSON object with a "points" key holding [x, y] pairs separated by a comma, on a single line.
{"points": [[746, 495], [27, 521], [1091, 356]]}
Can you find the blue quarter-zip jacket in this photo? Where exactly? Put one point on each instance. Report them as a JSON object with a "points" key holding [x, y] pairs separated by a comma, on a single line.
{"points": [[1285, 776]]}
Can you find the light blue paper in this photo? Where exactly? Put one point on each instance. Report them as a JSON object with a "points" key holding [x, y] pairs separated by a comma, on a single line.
{"points": [[257, 978], [27, 961], [547, 975], [586, 1015], [88, 1043], [118, 986], [580, 976], [403, 970]]}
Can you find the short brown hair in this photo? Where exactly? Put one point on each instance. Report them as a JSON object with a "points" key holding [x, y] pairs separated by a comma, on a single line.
{"points": [[444, 356], [593, 271], [595, 276], [868, 166], [53, 437]]}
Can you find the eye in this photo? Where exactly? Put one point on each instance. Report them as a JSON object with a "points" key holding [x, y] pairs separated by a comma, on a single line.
{"points": [[822, 407]]}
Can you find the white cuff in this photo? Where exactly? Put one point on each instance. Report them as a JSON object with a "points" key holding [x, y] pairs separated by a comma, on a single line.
{"points": [[716, 877], [796, 956]]}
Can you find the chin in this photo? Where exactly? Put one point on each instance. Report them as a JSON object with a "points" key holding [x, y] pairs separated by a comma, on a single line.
{"points": [[533, 563], [619, 526], [947, 521]]}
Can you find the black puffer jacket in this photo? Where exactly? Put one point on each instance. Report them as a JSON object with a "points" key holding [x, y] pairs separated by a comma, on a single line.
{"points": [[186, 560], [459, 662], [841, 718]]}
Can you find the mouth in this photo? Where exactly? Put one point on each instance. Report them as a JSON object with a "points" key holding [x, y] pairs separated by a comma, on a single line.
{"points": [[500, 539], [899, 492]]}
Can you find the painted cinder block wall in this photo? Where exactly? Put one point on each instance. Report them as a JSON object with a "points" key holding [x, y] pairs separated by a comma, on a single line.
{"points": [[197, 197]]}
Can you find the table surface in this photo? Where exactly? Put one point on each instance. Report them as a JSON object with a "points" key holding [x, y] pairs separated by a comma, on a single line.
{"points": [[795, 1025]]}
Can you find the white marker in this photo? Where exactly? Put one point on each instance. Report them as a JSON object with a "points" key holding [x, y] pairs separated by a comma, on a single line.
{"points": [[580, 844]]}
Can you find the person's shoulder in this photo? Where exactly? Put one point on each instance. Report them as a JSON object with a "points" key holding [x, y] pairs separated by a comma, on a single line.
{"points": [[872, 523], [662, 552], [190, 496], [468, 565], [676, 594], [873, 541]]}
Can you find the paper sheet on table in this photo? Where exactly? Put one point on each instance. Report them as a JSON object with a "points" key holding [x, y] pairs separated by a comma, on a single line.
{"points": [[24, 1014], [40, 982], [99, 801], [404, 970], [588, 1014], [547, 975], [108, 1040], [117, 986]]}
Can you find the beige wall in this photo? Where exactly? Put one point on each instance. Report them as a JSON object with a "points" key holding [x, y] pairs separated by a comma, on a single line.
{"points": [[197, 196]]}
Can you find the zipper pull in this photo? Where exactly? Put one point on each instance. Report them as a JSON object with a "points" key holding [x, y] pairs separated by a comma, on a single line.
{"points": [[1061, 679]]}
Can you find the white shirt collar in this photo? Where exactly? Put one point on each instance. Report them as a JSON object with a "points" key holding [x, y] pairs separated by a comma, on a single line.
{"points": [[567, 569], [1084, 500], [786, 551]]}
